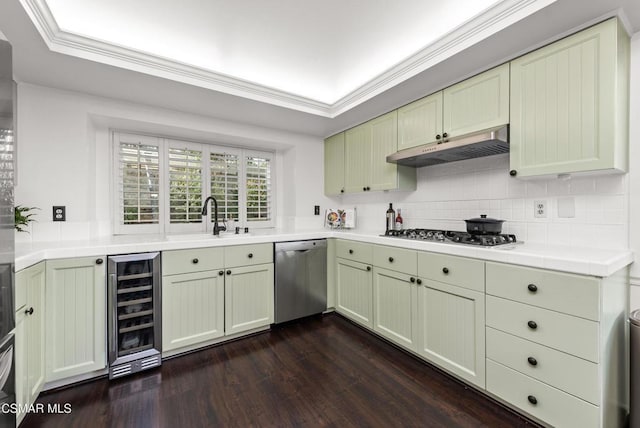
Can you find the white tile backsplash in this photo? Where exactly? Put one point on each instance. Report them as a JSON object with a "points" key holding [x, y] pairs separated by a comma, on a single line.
{"points": [[447, 194]]}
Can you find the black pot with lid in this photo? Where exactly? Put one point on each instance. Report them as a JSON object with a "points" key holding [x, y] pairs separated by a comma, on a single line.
{"points": [[484, 226]]}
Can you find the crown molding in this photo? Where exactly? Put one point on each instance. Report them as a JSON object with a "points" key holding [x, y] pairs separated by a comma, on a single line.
{"points": [[473, 31]]}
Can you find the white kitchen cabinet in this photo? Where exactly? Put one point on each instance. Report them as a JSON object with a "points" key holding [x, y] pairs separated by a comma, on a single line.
{"points": [[569, 104], [192, 308], [75, 313], [395, 306], [478, 103], [29, 336], [354, 291], [452, 329], [334, 164], [248, 297]]}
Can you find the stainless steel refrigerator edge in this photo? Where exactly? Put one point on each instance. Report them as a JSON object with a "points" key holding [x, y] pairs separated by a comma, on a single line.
{"points": [[7, 321], [300, 279]]}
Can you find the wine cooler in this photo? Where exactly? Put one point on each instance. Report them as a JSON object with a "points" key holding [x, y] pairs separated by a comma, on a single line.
{"points": [[134, 313]]}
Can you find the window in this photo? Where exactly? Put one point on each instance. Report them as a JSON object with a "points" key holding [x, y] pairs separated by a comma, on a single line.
{"points": [[161, 185]]}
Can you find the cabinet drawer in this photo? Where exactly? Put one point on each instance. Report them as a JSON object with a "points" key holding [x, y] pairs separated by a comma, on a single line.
{"points": [[553, 406], [576, 336], [356, 251], [397, 259], [572, 294], [192, 260], [460, 271], [246, 255], [563, 371]]}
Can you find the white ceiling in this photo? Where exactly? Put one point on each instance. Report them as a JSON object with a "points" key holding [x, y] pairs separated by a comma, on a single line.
{"points": [[45, 56], [319, 57]]}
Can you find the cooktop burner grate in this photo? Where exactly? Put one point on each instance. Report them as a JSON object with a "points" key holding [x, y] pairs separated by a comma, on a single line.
{"points": [[455, 237]]}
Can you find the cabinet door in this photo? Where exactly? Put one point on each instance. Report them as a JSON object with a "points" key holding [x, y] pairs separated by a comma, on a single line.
{"points": [[420, 122], [568, 106], [21, 356], [35, 331], [395, 307], [192, 308], [478, 103], [384, 141], [334, 165], [357, 158], [248, 298], [452, 329], [75, 317], [354, 291]]}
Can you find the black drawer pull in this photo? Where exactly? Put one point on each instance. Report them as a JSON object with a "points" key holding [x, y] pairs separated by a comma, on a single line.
{"points": [[533, 400], [99, 261], [350, 251], [390, 259], [368, 268], [29, 311], [228, 272], [532, 361], [532, 325], [532, 287], [195, 261], [250, 255], [412, 280], [419, 281], [221, 272], [445, 270]]}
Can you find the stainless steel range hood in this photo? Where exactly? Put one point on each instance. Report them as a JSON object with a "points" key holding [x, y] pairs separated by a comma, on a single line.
{"points": [[489, 142]]}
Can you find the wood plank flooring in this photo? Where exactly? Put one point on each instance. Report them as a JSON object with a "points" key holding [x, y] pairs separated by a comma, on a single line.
{"points": [[321, 371]]}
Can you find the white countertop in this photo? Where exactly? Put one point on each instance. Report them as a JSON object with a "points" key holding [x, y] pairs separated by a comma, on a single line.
{"points": [[587, 261]]}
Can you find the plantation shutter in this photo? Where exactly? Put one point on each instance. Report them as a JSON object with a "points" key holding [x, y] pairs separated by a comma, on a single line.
{"points": [[139, 182], [185, 185], [225, 184], [258, 188]]}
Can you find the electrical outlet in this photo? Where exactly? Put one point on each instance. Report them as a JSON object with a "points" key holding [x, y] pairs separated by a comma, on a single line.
{"points": [[316, 209], [540, 209], [59, 213]]}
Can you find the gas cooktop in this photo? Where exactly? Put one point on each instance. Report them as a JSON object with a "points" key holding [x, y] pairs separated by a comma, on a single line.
{"points": [[454, 237]]}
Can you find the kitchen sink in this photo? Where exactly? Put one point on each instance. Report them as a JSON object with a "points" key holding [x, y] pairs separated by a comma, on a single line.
{"points": [[205, 236]]}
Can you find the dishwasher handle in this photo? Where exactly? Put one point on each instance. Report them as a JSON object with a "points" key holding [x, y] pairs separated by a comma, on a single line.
{"points": [[300, 246]]}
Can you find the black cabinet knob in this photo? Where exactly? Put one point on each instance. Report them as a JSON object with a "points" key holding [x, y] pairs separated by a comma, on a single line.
{"points": [[438, 137], [99, 261], [513, 173], [533, 400], [341, 190], [412, 280], [195, 261], [228, 272], [350, 251], [532, 325], [250, 255], [445, 270], [532, 287], [390, 259], [419, 281], [368, 268], [29, 311], [445, 135], [221, 272], [368, 188], [532, 361]]}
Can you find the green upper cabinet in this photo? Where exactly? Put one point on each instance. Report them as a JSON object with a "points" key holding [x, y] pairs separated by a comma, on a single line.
{"points": [[569, 104], [366, 148], [334, 164], [476, 104], [420, 122]]}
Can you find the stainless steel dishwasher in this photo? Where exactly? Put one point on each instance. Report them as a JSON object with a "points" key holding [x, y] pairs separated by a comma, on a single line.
{"points": [[301, 279]]}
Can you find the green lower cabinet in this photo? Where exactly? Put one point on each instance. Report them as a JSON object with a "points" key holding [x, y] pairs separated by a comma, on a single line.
{"points": [[354, 291], [248, 298], [452, 329]]}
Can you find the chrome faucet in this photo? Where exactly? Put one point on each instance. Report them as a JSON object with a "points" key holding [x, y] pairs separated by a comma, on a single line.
{"points": [[216, 227]]}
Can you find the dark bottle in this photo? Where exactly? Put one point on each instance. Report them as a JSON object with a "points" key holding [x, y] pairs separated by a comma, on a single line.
{"points": [[391, 219]]}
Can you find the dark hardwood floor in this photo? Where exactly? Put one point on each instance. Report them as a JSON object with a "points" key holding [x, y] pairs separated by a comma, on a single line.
{"points": [[321, 371]]}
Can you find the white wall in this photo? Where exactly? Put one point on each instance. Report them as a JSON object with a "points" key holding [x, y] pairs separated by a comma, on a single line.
{"points": [[634, 174], [64, 158]]}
